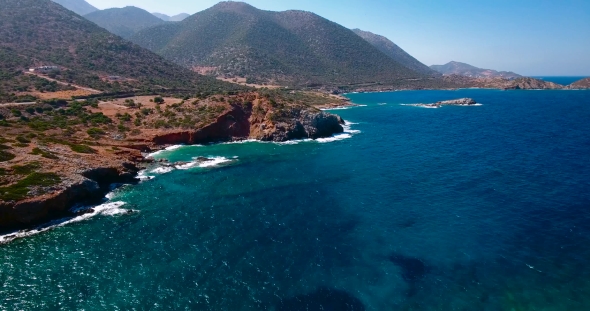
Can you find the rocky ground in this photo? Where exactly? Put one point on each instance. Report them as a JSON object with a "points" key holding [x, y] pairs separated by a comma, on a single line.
{"points": [[54, 154]]}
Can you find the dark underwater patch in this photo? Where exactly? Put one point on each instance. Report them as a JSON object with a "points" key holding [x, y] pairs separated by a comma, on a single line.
{"points": [[413, 269], [324, 299]]}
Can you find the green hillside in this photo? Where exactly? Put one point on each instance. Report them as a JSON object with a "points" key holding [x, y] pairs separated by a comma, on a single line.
{"points": [[234, 39], [40, 32], [125, 21], [395, 52]]}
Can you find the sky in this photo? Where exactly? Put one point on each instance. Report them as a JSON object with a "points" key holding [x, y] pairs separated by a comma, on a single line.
{"points": [[529, 37]]}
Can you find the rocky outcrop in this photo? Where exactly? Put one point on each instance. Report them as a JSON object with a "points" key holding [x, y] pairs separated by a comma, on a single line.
{"points": [[580, 84], [453, 102], [88, 187], [524, 83], [457, 102], [262, 122], [532, 84]]}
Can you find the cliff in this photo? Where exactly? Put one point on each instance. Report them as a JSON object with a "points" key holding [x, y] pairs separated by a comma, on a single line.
{"points": [[54, 156]]}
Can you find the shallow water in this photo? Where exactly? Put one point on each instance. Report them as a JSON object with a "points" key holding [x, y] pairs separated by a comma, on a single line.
{"points": [[457, 208]]}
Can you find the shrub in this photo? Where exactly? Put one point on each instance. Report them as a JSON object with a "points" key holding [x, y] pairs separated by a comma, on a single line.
{"points": [[45, 154], [22, 139], [6, 156], [95, 132], [20, 190], [26, 169], [82, 149], [158, 100]]}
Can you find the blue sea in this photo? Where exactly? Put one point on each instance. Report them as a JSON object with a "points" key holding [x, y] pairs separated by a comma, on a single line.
{"points": [[456, 208]]}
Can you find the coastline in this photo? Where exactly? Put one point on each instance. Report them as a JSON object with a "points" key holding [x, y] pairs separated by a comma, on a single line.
{"points": [[87, 183]]}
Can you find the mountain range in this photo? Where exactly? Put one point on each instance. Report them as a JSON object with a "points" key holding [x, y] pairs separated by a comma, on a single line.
{"points": [[124, 22], [462, 69], [175, 18], [40, 32], [80, 7], [234, 39], [395, 52]]}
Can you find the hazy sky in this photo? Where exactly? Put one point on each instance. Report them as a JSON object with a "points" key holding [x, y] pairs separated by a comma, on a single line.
{"points": [[530, 37]]}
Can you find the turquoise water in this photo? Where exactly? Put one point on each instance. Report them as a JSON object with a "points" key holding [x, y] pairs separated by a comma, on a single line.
{"points": [[561, 80], [457, 208]]}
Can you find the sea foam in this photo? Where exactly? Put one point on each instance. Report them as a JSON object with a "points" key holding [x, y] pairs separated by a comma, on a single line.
{"points": [[107, 209]]}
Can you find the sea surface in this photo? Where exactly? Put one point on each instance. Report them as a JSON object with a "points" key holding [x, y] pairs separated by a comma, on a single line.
{"points": [[456, 208]]}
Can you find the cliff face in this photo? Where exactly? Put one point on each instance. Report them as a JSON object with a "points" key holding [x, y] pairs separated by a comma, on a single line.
{"points": [[260, 121]]}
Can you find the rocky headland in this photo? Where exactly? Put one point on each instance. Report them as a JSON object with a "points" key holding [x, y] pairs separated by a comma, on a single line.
{"points": [[580, 84], [524, 83], [55, 155]]}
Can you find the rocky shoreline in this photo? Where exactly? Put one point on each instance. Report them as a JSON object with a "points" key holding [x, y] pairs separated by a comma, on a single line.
{"points": [[85, 178]]}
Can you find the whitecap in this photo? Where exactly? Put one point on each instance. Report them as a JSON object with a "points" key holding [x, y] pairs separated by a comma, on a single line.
{"points": [[143, 175], [334, 138], [108, 209], [170, 148], [214, 162], [162, 170]]}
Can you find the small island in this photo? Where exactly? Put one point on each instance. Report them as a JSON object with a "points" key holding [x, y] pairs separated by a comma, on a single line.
{"points": [[453, 102]]}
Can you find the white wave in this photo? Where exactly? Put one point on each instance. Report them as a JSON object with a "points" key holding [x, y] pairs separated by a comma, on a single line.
{"points": [[174, 147], [143, 176], [245, 141], [186, 166], [334, 138], [108, 209], [214, 162], [343, 108], [162, 170], [382, 104], [421, 106]]}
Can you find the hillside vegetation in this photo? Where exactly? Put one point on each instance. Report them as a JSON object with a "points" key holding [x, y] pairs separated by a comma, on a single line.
{"points": [[234, 39], [40, 32], [395, 52], [125, 21]]}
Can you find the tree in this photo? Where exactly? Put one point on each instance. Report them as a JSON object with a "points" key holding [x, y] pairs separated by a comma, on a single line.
{"points": [[159, 100]]}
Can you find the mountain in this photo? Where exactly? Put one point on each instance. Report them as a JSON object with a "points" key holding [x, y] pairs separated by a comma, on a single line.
{"points": [[80, 7], [175, 18], [125, 21], [580, 84], [395, 52], [463, 69], [40, 32], [234, 39]]}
